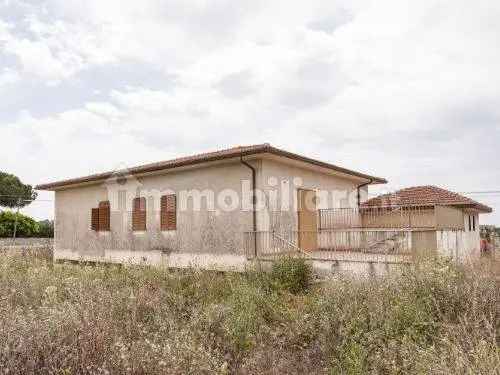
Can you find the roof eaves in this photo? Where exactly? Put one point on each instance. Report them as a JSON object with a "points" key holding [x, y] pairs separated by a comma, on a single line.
{"points": [[208, 157], [280, 152], [153, 167], [398, 198]]}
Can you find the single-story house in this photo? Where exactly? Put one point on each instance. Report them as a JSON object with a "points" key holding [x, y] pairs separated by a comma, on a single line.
{"points": [[223, 209], [199, 209]]}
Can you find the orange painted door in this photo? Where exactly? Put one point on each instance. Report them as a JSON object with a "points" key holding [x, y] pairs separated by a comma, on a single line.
{"points": [[308, 220]]}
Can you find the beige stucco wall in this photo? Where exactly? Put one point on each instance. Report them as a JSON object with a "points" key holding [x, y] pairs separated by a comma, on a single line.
{"points": [[449, 217], [416, 217], [471, 238], [439, 217], [198, 231], [218, 231], [459, 244], [285, 179], [423, 243]]}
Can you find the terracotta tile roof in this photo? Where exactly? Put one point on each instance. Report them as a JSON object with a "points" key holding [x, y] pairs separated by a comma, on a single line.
{"points": [[207, 157], [425, 196]]}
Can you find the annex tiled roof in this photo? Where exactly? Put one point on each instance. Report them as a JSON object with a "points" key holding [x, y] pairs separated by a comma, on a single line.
{"points": [[207, 157], [424, 196]]}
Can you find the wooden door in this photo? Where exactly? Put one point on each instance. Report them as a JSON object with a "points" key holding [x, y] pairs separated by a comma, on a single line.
{"points": [[308, 220]]}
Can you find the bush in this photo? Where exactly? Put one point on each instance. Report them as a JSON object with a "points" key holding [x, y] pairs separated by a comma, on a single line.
{"points": [[45, 229], [292, 274], [249, 308]]}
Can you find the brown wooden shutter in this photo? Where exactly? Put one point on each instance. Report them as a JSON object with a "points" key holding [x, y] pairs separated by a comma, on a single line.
{"points": [[94, 219], [104, 216], [168, 212], [139, 214]]}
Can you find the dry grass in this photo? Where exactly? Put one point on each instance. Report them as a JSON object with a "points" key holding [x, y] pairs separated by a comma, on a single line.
{"points": [[33, 252], [73, 319]]}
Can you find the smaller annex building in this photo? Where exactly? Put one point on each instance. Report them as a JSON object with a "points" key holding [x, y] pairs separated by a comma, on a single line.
{"points": [[439, 219]]}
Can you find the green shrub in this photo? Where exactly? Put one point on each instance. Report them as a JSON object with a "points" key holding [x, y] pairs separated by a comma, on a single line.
{"points": [[292, 274], [45, 229], [249, 309], [26, 226]]}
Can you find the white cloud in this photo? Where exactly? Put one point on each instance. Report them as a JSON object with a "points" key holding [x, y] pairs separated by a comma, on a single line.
{"points": [[107, 110], [406, 90], [8, 76]]}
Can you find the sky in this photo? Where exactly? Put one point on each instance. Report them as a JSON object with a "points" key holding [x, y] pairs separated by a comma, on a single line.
{"points": [[406, 90]]}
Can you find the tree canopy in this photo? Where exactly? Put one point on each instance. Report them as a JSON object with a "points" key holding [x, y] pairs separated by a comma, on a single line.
{"points": [[45, 229], [26, 226], [13, 193]]}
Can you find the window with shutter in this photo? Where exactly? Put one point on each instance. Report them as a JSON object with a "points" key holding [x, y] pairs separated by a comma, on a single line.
{"points": [[104, 216], [139, 214], [94, 219], [168, 212]]}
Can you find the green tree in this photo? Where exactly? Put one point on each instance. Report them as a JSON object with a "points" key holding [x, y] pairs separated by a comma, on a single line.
{"points": [[13, 193], [46, 229], [26, 226]]}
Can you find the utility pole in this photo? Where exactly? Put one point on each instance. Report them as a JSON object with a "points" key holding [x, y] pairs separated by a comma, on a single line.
{"points": [[15, 221]]}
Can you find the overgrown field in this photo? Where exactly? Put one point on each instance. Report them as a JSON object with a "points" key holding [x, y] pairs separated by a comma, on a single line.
{"points": [[72, 319]]}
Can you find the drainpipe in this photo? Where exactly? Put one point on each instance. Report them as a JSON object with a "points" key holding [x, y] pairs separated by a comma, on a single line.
{"points": [[359, 190], [254, 204]]}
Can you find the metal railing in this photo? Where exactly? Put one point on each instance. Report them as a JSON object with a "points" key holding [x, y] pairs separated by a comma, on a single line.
{"points": [[377, 218], [366, 241], [270, 244], [354, 245]]}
